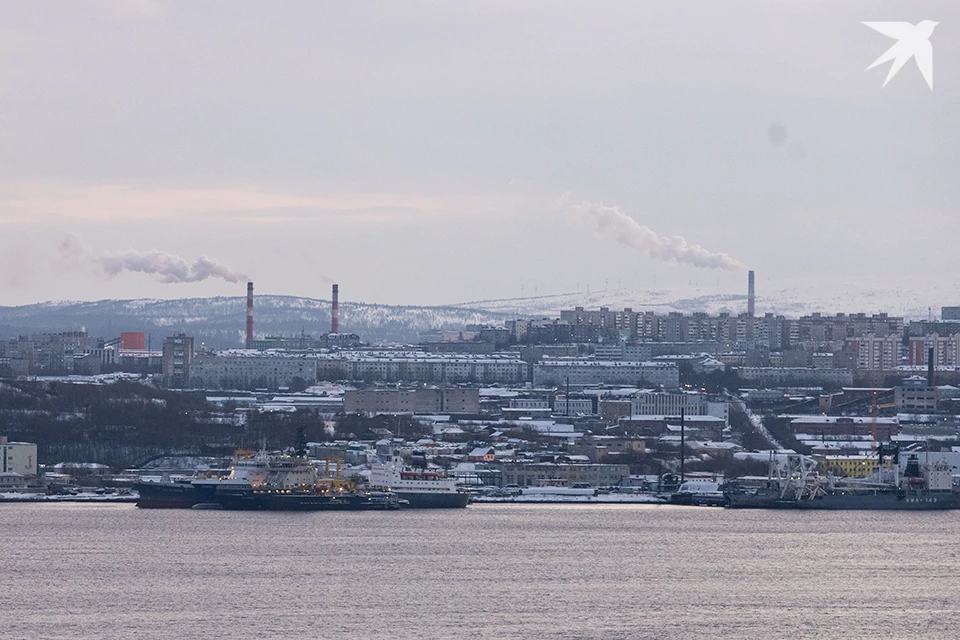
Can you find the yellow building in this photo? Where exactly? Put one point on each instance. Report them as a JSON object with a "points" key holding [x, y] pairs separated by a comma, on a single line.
{"points": [[856, 466]]}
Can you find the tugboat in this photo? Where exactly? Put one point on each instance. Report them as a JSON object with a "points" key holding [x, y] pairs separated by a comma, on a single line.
{"points": [[422, 488]]}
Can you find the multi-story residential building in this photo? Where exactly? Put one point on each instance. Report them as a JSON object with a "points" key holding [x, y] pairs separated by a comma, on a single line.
{"points": [[53, 353], [674, 327], [306, 342], [177, 360], [243, 369], [946, 350], [591, 372], [795, 376], [818, 329], [408, 366], [876, 353], [950, 313], [419, 400]]}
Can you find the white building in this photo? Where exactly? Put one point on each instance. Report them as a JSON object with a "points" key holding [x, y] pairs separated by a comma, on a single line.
{"points": [[420, 400], [18, 457], [876, 353], [587, 372], [789, 376], [659, 403], [243, 369], [575, 406], [415, 366]]}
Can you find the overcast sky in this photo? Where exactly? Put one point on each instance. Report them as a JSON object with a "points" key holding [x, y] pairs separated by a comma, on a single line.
{"points": [[422, 153]]}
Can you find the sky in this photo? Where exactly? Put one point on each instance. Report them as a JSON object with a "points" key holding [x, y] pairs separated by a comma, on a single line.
{"points": [[440, 152]]}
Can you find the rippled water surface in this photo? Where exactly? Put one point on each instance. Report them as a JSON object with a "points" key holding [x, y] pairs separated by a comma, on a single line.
{"points": [[488, 571]]}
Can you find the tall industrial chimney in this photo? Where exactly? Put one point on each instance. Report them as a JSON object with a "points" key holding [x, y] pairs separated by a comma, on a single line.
{"points": [[249, 344], [750, 293], [335, 310], [930, 367]]}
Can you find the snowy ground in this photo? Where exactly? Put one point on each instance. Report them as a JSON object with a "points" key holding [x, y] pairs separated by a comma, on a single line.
{"points": [[80, 497]]}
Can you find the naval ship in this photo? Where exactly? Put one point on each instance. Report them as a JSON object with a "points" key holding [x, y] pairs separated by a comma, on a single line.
{"points": [[794, 484], [248, 467]]}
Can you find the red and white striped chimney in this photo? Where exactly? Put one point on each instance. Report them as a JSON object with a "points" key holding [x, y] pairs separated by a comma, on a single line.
{"points": [[335, 310], [249, 344]]}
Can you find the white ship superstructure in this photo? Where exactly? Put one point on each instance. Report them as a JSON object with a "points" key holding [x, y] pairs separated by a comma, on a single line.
{"points": [[425, 488]]}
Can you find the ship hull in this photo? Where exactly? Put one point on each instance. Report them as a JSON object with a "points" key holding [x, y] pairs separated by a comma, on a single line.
{"points": [[847, 501], [706, 499], [882, 502], [176, 495], [249, 500], [423, 500], [165, 495]]}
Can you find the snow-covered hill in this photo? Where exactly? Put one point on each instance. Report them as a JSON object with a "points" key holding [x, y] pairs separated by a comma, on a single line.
{"points": [[220, 321], [913, 298]]}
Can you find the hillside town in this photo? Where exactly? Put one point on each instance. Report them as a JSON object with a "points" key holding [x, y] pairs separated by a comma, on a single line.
{"points": [[612, 399]]}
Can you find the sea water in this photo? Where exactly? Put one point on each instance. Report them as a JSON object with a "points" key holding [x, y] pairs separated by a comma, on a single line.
{"points": [[488, 571]]}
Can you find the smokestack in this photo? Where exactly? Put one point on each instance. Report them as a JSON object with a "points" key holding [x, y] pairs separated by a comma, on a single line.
{"points": [[930, 367], [750, 293], [335, 310], [249, 344]]}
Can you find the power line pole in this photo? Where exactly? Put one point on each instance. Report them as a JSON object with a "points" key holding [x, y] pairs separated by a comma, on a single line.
{"points": [[682, 443]]}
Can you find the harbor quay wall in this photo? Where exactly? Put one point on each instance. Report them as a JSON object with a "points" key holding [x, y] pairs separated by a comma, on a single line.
{"points": [[530, 474]]}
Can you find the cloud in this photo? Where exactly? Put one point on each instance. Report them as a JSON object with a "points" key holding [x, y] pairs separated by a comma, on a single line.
{"points": [[164, 267], [611, 221], [27, 202]]}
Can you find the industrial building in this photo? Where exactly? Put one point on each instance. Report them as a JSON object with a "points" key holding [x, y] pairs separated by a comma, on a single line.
{"points": [[881, 429], [18, 457]]}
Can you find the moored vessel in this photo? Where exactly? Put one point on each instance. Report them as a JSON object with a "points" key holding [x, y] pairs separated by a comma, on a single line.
{"points": [[247, 467], [793, 484], [291, 483], [421, 488]]}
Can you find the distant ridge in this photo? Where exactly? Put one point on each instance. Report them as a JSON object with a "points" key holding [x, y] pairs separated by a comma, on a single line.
{"points": [[219, 321]]}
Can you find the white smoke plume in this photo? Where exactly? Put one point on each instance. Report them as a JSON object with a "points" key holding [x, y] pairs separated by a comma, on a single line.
{"points": [[611, 220], [162, 266]]}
